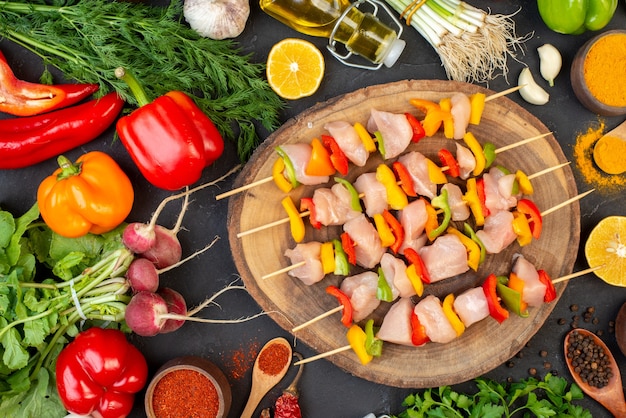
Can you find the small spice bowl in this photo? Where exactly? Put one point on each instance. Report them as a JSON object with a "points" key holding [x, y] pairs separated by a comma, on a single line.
{"points": [[593, 92], [188, 386]]}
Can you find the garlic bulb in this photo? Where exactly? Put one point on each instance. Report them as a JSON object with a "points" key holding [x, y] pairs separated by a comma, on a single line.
{"points": [[217, 19], [550, 62], [531, 91]]}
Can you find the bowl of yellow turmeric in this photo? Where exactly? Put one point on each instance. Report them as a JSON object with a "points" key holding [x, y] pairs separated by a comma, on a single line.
{"points": [[598, 74]]}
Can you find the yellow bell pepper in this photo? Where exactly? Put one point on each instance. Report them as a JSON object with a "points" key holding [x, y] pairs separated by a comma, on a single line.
{"points": [[366, 138], [396, 197], [434, 173], [434, 115], [432, 223], [521, 227], [327, 257], [453, 318], [474, 146], [295, 219], [472, 247], [517, 284], [448, 122], [384, 230], [414, 278], [477, 107], [279, 179], [473, 201], [524, 183], [356, 338]]}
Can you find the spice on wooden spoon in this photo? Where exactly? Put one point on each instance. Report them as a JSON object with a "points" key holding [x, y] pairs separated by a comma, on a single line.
{"points": [[269, 368], [595, 370], [609, 152]]}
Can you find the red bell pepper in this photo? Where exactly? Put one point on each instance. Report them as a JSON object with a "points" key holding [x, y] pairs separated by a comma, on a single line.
{"points": [[406, 181], [416, 126], [348, 247], [418, 331], [337, 156], [170, 139], [396, 229], [344, 300], [32, 139], [550, 294], [448, 160], [530, 210], [420, 268], [306, 203], [99, 373], [482, 197], [23, 98], [496, 310]]}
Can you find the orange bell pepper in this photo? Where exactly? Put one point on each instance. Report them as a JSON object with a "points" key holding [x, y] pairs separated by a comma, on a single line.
{"points": [[93, 195], [319, 164]]}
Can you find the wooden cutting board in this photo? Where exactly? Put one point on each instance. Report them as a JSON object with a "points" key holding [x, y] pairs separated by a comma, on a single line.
{"points": [[484, 345]]}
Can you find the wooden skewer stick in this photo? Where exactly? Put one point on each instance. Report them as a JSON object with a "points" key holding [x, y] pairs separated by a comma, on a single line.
{"points": [[347, 347], [547, 170], [269, 179], [567, 202], [317, 318]]}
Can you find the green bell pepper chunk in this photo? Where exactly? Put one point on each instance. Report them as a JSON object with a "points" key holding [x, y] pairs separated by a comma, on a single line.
{"points": [[489, 151], [373, 345], [342, 267], [289, 167], [383, 292], [381, 142], [355, 200], [441, 202], [512, 299], [470, 233], [573, 17]]}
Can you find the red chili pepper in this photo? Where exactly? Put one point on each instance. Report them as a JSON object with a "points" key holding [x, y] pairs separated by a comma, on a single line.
{"points": [[170, 139], [535, 221], [100, 372], [306, 203], [406, 181], [420, 268], [337, 156], [396, 229], [448, 160], [344, 300], [416, 126], [348, 247], [29, 140], [418, 331], [550, 294], [482, 197], [496, 310], [23, 98], [287, 404]]}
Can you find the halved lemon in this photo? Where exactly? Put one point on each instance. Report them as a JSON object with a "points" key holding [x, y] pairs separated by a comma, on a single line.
{"points": [[606, 246], [295, 68]]}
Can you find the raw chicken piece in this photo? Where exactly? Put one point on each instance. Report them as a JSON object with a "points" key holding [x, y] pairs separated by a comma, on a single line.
{"points": [[299, 155], [505, 186], [494, 200], [497, 233], [471, 306], [458, 206], [395, 274], [413, 218], [349, 141], [396, 327], [415, 164], [309, 252], [460, 111], [534, 290], [361, 289], [466, 160], [368, 248], [445, 257], [430, 314], [332, 206], [395, 130], [375, 193]]}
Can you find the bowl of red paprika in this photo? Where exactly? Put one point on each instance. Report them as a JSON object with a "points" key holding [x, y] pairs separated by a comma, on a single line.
{"points": [[597, 73], [188, 386]]}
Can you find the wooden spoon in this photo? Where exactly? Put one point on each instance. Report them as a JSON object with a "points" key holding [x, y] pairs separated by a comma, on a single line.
{"points": [[605, 146], [612, 395], [262, 382]]}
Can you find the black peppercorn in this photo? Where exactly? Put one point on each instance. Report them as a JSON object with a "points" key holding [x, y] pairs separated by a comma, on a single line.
{"points": [[589, 360]]}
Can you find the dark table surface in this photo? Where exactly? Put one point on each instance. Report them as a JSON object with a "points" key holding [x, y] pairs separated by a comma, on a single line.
{"points": [[327, 391]]}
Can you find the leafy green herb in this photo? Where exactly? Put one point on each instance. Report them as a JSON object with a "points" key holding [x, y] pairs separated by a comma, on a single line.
{"points": [[88, 39], [530, 397]]}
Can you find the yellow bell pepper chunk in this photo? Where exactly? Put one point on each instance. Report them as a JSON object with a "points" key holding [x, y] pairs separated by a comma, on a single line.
{"points": [[384, 230], [524, 183], [366, 138], [295, 219], [474, 146], [434, 173], [279, 178], [448, 122], [521, 228], [396, 197], [477, 107], [356, 338], [453, 318], [327, 257], [414, 278], [473, 249], [473, 201]]}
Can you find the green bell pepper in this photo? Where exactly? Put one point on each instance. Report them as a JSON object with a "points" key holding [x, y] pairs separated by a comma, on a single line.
{"points": [[573, 17]]}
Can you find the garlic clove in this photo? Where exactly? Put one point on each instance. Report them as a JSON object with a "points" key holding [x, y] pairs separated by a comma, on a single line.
{"points": [[550, 62], [530, 90], [217, 19]]}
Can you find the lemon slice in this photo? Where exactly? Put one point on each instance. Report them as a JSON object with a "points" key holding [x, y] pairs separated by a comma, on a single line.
{"points": [[606, 246], [295, 68]]}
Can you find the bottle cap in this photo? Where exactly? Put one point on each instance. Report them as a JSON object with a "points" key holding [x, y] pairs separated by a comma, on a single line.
{"points": [[395, 50]]}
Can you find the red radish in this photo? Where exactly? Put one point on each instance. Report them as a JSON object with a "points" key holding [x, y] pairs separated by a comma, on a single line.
{"points": [[145, 313], [176, 305], [166, 249]]}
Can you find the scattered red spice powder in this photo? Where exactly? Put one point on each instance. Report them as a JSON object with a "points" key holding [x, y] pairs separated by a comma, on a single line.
{"points": [[240, 361], [185, 393], [273, 358]]}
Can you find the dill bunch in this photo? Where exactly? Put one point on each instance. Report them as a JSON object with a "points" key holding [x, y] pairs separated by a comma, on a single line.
{"points": [[88, 39]]}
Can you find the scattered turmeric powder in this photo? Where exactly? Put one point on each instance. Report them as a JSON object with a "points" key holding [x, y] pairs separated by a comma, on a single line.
{"points": [[584, 158], [604, 70]]}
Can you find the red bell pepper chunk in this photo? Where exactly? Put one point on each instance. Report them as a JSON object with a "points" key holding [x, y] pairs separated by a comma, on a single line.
{"points": [[448, 160], [396, 229], [418, 331], [420, 268], [306, 203], [550, 294], [530, 210], [406, 181], [496, 310], [99, 373], [482, 197], [416, 126], [344, 300], [348, 247], [337, 156]]}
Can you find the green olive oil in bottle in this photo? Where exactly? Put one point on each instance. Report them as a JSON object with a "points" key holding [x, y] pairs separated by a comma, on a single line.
{"points": [[361, 33]]}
